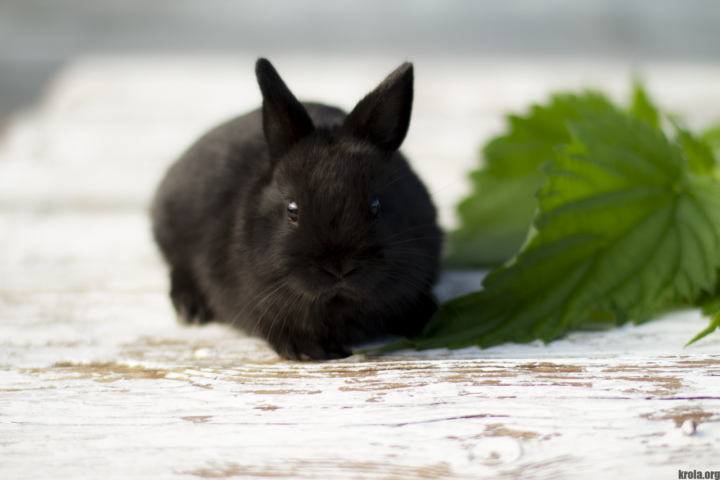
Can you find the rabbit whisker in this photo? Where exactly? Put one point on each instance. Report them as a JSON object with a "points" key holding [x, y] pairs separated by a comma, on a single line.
{"points": [[251, 300], [447, 186], [261, 301], [288, 301], [434, 300], [445, 275]]}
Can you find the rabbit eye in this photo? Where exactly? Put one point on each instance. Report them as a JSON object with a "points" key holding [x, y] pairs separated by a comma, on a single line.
{"points": [[375, 206], [292, 210]]}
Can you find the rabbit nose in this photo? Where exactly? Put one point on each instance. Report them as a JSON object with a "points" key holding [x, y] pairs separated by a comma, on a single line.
{"points": [[339, 269]]}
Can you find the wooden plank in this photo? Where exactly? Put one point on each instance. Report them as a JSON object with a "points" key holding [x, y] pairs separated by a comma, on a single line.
{"points": [[362, 419]]}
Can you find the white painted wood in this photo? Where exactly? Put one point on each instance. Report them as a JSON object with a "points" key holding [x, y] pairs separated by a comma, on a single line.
{"points": [[98, 381]]}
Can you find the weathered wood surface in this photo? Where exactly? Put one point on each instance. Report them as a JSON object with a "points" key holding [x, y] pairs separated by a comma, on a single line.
{"points": [[98, 381]]}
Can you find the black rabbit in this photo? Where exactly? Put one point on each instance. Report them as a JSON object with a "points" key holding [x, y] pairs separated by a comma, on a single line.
{"points": [[302, 224]]}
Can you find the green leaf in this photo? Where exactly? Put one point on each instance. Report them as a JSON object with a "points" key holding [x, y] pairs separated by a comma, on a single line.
{"points": [[642, 107], [625, 226], [714, 324], [709, 307], [495, 218], [711, 137], [697, 152], [532, 140]]}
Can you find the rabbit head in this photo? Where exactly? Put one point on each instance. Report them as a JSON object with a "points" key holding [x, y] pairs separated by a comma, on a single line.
{"points": [[327, 203]]}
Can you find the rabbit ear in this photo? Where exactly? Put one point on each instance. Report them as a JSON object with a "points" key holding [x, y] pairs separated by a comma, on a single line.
{"points": [[285, 120], [383, 116]]}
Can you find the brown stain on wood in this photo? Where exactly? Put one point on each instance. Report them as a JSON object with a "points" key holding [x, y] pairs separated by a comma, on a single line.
{"points": [[700, 363], [349, 469], [274, 380], [335, 372], [372, 387], [267, 407], [50, 387], [162, 342], [559, 382], [669, 384], [500, 430], [463, 378], [100, 371], [680, 414], [680, 364], [198, 419], [110, 372], [486, 370], [495, 383], [548, 367]]}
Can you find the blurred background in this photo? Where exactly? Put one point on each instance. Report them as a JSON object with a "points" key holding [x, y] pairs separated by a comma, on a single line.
{"points": [[38, 36]]}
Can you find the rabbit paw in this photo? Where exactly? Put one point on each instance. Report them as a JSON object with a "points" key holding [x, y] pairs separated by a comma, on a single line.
{"points": [[188, 300], [305, 350]]}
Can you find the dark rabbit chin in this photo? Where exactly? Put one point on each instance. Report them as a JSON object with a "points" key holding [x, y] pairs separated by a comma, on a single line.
{"points": [[303, 225]]}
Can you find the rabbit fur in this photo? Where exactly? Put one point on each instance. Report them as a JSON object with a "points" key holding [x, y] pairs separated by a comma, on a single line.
{"points": [[301, 224]]}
